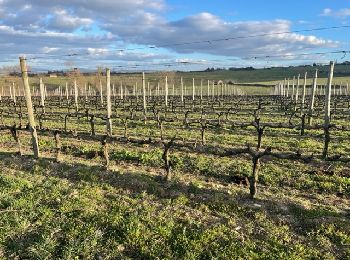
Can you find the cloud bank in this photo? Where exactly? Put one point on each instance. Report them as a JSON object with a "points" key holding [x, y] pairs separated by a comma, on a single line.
{"points": [[99, 29]]}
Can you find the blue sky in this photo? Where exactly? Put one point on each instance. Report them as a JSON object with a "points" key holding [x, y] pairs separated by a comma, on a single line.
{"points": [[303, 14], [256, 10], [96, 31]]}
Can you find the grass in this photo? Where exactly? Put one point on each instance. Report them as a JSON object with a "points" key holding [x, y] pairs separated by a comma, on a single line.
{"points": [[76, 209]]}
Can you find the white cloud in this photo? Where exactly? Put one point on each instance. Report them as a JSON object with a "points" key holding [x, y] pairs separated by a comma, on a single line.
{"points": [[204, 27], [49, 49], [341, 13], [98, 51], [63, 21], [50, 27], [135, 56], [327, 12], [26, 7], [192, 61]]}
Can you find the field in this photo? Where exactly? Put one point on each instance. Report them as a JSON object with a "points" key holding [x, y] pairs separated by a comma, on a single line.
{"points": [[225, 176]]}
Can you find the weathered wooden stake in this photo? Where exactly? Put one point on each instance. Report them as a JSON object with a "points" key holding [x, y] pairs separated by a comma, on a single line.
{"points": [[312, 100], [201, 89], [13, 92], [85, 92], [166, 91], [41, 87], [297, 92], [144, 94], [136, 92], [213, 90], [76, 96], [121, 90], [293, 86], [29, 107], [208, 93], [182, 90], [67, 91], [327, 114], [148, 90], [193, 89], [109, 104], [304, 92], [101, 93]]}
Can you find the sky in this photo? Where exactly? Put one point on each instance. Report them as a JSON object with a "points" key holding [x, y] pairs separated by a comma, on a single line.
{"points": [[128, 35]]}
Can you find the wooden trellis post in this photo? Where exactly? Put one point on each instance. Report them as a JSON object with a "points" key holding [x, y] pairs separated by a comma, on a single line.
{"points": [[297, 90], [193, 89], [201, 89], [148, 90], [109, 105], [182, 90], [76, 95], [293, 85], [67, 91], [328, 95], [312, 100], [85, 92], [166, 91], [41, 87], [144, 93], [208, 91], [29, 107], [101, 93], [304, 92], [14, 93], [213, 91], [136, 92], [327, 114], [121, 90]]}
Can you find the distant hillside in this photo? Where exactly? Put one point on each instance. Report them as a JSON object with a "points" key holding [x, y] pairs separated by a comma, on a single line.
{"points": [[269, 74], [265, 76]]}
